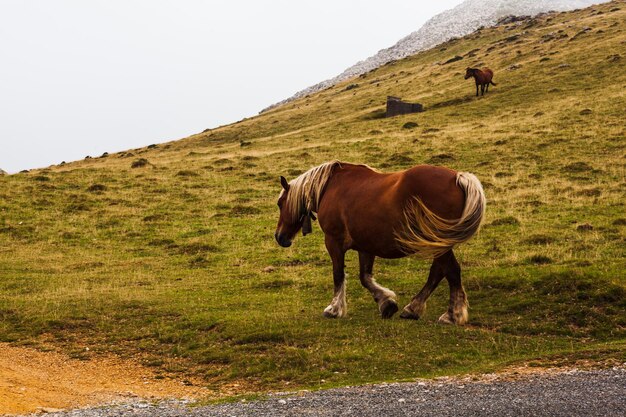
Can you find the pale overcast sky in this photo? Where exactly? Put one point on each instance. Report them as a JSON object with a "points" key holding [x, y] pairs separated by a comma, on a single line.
{"points": [[81, 77]]}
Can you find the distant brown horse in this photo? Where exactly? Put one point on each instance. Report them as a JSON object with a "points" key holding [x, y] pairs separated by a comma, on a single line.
{"points": [[482, 77], [425, 210]]}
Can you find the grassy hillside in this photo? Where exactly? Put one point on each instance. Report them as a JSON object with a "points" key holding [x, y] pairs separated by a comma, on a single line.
{"points": [[166, 253]]}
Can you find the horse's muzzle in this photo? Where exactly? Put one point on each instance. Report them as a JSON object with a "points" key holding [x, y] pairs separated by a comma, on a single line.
{"points": [[285, 243]]}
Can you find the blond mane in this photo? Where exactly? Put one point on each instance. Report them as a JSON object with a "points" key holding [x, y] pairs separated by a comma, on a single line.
{"points": [[305, 191]]}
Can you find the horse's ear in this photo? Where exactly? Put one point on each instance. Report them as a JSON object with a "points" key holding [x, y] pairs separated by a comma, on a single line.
{"points": [[284, 183]]}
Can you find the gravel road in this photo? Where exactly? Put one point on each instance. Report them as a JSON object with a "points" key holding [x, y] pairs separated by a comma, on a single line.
{"points": [[571, 393]]}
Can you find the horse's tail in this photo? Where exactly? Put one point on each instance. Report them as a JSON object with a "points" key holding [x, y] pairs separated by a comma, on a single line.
{"points": [[492, 83], [428, 235]]}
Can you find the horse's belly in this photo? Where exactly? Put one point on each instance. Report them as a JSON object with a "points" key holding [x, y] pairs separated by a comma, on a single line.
{"points": [[379, 242], [388, 252]]}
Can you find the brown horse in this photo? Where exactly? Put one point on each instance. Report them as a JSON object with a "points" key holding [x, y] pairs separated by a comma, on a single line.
{"points": [[482, 77], [424, 211]]}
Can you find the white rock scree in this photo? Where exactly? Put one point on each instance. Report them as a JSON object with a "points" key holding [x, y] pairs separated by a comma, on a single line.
{"points": [[457, 22]]}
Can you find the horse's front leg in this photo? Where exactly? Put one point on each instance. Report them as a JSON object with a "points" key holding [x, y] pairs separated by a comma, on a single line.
{"points": [[384, 297], [476, 89], [337, 307]]}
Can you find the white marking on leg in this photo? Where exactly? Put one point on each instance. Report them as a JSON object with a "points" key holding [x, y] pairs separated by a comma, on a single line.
{"points": [[338, 307], [380, 293]]}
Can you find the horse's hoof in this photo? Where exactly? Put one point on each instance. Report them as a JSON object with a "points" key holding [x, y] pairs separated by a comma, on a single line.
{"points": [[445, 319], [408, 314], [330, 315], [388, 308]]}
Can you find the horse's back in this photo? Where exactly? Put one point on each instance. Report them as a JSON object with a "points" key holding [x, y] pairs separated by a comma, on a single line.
{"points": [[437, 188], [365, 208], [488, 74], [434, 185]]}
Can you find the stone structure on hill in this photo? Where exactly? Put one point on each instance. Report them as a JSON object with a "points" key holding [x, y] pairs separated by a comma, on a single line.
{"points": [[395, 107]]}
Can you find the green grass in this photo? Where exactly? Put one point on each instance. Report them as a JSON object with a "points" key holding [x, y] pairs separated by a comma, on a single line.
{"points": [[167, 261]]}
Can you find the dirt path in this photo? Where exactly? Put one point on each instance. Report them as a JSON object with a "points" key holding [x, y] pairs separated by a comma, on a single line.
{"points": [[32, 381]]}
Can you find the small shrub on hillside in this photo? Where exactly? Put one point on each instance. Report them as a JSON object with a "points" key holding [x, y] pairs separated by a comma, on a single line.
{"points": [[199, 262], [138, 163], [399, 159], [96, 188], [539, 260], [576, 167], [441, 158], [153, 218], [409, 125], [187, 173], [76, 207]]}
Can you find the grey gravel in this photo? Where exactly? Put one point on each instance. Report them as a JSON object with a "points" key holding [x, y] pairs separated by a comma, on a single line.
{"points": [[572, 393]]}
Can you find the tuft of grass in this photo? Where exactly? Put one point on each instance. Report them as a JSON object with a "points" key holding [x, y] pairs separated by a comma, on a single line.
{"points": [[506, 221], [441, 158], [139, 163], [96, 188], [540, 260], [577, 167], [187, 173]]}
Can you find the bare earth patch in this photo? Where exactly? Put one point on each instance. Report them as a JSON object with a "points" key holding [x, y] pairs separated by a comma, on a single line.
{"points": [[32, 381]]}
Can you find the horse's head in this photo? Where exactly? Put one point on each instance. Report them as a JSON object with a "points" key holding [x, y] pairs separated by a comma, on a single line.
{"points": [[469, 72], [289, 223]]}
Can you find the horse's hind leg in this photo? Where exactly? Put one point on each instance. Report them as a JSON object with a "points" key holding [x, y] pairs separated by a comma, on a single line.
{"points": [[417, 306], [337, 307], [384, 297], [457, 309]]}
